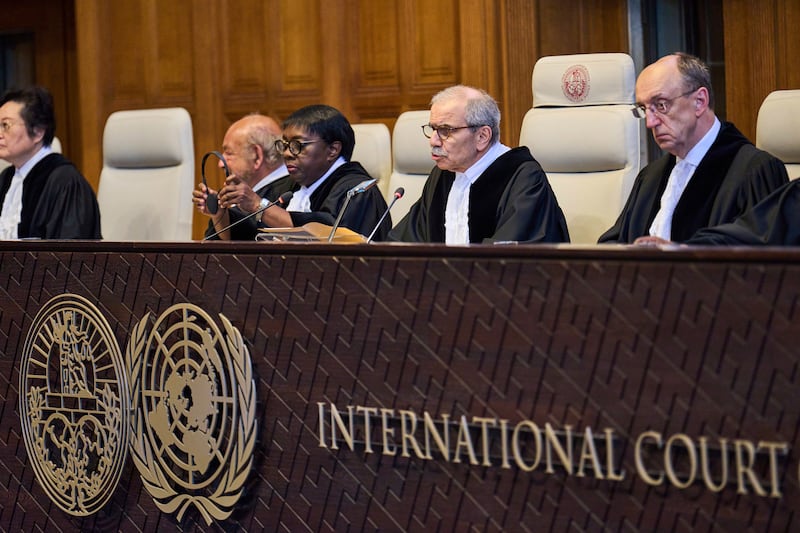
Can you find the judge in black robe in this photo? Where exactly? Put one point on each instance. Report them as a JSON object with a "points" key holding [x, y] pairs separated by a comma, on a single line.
{"points": [[363, 211], [510, 201], [317, 145], [774, 221], [246, 230], [731, 178], [675, 97], [57, 201]]}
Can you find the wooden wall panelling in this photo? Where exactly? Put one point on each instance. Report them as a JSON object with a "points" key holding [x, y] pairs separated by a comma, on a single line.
{"points": [[375, 42], [53, 49], [171, 80], [92, 59], [750, 66]]}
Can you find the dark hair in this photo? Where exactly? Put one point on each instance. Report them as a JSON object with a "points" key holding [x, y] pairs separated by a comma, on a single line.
{"points": [[695, 74], [37, 110], [327, 122]]}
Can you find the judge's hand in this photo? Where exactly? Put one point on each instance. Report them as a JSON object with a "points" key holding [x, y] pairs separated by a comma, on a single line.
{"points": [[199, 196], [650, 240], [238, 193]]}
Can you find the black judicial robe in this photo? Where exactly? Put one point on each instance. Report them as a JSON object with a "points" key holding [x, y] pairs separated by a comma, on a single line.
{"points": [[57, 201], [247, 230], [774, 221], [363, 212], [732, 177], [511, 201]]}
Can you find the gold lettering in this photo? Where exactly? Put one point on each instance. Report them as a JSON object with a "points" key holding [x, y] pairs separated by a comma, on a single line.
{"points": [[484, 423], [464, 441], [705, 464], [670, 468], [368, 412], [430, 430], [774, 448], [641, 469], [504, 443], [387, 431], [552, 443], [515, 447], [347, 431], [321, 409], [744, 467], [409, 418], [588, 451], [611, 474]]}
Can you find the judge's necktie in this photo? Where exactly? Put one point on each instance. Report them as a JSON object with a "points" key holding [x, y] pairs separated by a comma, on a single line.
{"points": [[678, 178]]}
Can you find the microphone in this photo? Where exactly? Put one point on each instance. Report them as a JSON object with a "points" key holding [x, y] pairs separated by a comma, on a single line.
{"points": [[358, 189], [282, 200], [398, 193], [212, 202]]}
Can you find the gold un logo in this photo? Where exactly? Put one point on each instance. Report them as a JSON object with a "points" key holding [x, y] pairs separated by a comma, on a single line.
{"points": [[193, 400], [74, 404]]}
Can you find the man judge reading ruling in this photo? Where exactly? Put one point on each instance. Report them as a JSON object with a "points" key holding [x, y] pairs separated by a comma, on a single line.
{"points": [[480, 191], [317, 145], [711, 173], [257, 177]]}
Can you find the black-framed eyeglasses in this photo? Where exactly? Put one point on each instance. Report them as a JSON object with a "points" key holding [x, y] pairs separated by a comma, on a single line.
{"points": [[295, 146], [444, 131], [660, 106]]}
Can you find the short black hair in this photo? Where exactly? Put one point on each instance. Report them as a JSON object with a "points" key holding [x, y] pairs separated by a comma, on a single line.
{"points": [[327, 122], [37, 110]]}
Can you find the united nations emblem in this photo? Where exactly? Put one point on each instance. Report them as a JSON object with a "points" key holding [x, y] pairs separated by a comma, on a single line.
{"points": [[74, 404], [193, 420], [575, 83]]}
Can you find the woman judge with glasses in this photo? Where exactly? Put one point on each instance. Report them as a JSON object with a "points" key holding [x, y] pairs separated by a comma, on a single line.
{"points": [[480, 191], [317, 145], [711, 173], [42, 194]]}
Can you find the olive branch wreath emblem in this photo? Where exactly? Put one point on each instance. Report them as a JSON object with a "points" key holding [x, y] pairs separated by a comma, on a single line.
{"points": [[221, 502]]}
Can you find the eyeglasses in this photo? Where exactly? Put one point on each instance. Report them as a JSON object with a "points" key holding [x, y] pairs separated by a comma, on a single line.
{"points": [[660, 106], [295, 146], [6, 125], [443, 131]]}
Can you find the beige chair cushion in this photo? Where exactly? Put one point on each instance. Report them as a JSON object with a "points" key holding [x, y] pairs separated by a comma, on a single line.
{"points": [[582, 132], [374, 151], [412, 160], [778, 128], [147, 179]]}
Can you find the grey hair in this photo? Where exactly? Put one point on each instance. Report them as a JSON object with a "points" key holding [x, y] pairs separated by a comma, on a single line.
{"points": [[481, 110], [695, 74]]}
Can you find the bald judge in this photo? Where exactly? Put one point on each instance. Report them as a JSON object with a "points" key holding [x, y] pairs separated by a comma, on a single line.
{"points": [[258, 176], [710, 175]]}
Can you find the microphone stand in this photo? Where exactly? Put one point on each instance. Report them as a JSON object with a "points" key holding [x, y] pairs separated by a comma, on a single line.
{"points": [[284, 198], [397, 195], [361, 187]]}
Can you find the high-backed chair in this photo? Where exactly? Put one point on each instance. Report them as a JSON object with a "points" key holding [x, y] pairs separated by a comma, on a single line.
{"points": [[55, 146], [145, 190], [582, 132], [777, 128], [374, 151], [412, 160]]}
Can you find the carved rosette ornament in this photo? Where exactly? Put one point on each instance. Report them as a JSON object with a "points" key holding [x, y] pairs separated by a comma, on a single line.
{"points": [[74, 404], [193, 411]]}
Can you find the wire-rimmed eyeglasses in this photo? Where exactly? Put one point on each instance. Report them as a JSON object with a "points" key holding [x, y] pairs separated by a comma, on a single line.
{"points": [[660, 106], [444, 131]]}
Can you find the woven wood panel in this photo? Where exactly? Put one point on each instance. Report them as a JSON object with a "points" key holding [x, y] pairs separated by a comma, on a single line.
{"points": [[668, 343]]}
